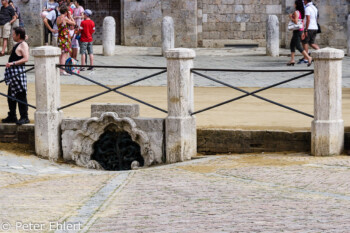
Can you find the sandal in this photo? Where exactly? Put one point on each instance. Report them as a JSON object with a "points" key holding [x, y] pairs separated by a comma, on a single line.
{"points": [[309, 63], [290, 63]]}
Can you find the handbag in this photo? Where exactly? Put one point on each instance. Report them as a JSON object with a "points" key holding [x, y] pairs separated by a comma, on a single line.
{"points": [[319, 28], [292, 26]]}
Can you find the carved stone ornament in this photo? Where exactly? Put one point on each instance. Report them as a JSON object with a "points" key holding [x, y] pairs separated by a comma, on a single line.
{"points": [[93, 128]]}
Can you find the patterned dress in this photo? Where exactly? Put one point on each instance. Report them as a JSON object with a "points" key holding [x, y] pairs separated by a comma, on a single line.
{"points": [[64, 40]]}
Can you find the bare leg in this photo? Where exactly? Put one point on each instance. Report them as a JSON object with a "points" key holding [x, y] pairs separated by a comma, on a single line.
{"points": [[75, 53], [4, 46], [315, 46], [91, 59], [292, 57], [63, 58], [83, 59], [307, 56]]}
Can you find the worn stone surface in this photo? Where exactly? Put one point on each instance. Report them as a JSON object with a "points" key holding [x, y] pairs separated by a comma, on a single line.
{"points": [[180, 125], [47, 88], [328, 126], [123, 110], [78, 145], [272, 36], [168, 34], [154, 129], [220, 141], [108, 41], [348, 37]]}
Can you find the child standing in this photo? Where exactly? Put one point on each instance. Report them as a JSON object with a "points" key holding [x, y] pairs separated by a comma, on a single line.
{"points": [[87, 28]]}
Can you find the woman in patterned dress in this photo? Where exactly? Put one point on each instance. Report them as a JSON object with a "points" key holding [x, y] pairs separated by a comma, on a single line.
{"points": [[64, 40]]}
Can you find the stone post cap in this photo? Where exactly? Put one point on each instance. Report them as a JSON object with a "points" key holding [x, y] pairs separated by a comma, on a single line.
{"points": [[46, 51], [109, 18], [168, 18], [328, 54], [273, 17], [180, 53]]}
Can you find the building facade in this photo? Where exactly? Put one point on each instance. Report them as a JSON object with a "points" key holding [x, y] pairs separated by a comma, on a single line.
{"points": [[198, 23]]}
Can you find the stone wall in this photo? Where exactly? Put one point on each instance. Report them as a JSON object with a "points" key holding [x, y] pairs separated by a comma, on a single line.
{"points": [[32, 21], [142, 22], [203, 23], [223, 22]]}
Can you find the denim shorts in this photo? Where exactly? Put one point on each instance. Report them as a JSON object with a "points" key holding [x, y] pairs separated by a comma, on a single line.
{"points": [[86, 46]]}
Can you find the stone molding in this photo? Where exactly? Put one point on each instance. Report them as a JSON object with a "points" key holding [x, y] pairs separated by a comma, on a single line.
{"points": [[94, 127]]}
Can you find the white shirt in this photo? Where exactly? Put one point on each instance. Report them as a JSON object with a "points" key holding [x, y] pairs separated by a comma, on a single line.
{"points": [[312, 11], [52, 16]]}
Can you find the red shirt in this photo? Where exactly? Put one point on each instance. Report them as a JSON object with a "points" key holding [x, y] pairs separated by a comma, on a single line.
{"points": [[87, 28]]}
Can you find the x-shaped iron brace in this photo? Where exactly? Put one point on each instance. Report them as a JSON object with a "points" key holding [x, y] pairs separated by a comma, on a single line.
{"points": [[252, 93]]}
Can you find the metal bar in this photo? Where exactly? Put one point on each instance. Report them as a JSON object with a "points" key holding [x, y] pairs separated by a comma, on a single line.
{"points": [[21, 65], [116, 67], [118, 92], [252, 94], [19, 101], [250, 71], [105, 92], [18, 74]]}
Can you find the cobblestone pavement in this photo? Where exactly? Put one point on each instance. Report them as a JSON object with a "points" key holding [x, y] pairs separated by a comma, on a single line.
{"points": [[232, 193], [229, 58]]}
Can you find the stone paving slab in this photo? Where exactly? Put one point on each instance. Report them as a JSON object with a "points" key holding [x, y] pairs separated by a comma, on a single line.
{"points": [[229, 58], [232, 193]]}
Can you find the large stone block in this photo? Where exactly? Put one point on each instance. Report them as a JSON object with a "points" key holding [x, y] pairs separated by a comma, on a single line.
{"points": [[123, 110]]}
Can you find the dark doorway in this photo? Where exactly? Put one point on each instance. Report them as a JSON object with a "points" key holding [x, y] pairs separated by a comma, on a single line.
{"points": [[101, 9]]}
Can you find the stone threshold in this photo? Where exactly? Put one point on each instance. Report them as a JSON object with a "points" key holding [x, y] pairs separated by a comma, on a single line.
{"points": [[209, 141]]}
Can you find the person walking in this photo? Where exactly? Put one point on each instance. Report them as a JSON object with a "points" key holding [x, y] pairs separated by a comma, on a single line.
{"points": [[64, 40], [17, 86], [7, 17], [87, 28], [311, 28], [297, 16]]}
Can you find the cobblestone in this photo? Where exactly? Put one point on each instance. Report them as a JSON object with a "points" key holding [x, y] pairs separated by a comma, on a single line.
{"points": [[233, 193]]}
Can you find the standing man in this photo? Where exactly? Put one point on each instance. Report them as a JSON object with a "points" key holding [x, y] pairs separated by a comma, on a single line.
{"points": [[7, 17], [51, 24], [310, 30], [17, 86]]}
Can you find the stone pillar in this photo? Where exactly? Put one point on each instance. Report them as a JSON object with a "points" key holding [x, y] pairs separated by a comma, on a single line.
{"points": [[47, 89], [272, 36], [168, 34], [180, 126], [108, 38], [327, 130], [348, 33]]}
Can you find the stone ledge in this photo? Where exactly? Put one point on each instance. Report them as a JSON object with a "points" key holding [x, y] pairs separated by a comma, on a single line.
{"points": [[209, 141]]}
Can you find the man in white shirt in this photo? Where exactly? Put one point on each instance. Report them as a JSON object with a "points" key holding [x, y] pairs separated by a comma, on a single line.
{"points": [[310, 30], [52, 17]]}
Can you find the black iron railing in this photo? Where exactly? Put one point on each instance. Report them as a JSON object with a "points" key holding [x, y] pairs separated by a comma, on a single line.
{"points": [[163, 70], [195, 71]]}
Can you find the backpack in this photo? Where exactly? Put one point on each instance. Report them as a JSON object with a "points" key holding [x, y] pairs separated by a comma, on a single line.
{"points": [[72, 69]]}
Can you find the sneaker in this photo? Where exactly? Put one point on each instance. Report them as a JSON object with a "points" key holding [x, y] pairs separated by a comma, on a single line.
{"points": [[22, 121], [90, 68], [9, 120], [301, 61]]}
